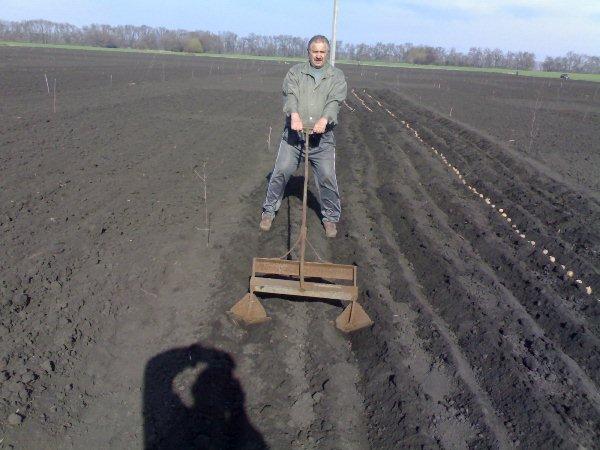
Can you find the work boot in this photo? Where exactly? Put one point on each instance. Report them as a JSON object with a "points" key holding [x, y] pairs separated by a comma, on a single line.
{"points": [[265, 222], [330, 229]]}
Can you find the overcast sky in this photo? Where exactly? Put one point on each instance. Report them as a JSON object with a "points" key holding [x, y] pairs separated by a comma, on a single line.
{"points": [[546, 27]]}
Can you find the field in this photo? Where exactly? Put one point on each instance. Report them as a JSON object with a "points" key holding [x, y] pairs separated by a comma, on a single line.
{"points": [[471, 206], [528, 73]]}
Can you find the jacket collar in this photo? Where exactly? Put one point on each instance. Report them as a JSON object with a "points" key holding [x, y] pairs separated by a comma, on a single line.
{"points": [[327, 69]]}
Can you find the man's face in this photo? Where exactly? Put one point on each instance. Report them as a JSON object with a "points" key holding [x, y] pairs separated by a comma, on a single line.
{"points": [[317, 54]]}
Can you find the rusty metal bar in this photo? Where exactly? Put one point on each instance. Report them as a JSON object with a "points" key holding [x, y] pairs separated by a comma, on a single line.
{"points": [[283, 267], [313, 290]]}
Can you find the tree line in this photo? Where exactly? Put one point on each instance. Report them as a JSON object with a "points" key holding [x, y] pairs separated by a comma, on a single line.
{"points": [[152, 38], [572, 62]]}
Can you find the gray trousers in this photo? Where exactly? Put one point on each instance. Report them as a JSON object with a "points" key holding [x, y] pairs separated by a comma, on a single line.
{"points": [[322, 159]]}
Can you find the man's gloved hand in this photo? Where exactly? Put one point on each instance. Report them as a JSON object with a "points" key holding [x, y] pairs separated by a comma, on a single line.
{"points": [[296, 122], [320, 126]]}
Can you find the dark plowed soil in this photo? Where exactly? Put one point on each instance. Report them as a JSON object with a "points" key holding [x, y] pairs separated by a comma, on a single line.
{"points": [[471, 206]]}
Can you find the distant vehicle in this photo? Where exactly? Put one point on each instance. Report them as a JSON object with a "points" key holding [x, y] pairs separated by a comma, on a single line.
{"points": [[565, 76]]}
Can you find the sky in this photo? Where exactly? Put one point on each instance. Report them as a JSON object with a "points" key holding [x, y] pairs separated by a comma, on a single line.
{"points": [[545, 27]]}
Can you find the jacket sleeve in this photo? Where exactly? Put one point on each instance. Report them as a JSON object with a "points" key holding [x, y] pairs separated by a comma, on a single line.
{"points": [[335, 97], [291, 89]]}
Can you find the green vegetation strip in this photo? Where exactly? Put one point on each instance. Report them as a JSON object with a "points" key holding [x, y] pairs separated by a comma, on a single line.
{"points": [[135, 50], [525, 73]]}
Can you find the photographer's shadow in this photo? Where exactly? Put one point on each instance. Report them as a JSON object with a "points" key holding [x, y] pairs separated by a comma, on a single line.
{"points": [[216, 419]]}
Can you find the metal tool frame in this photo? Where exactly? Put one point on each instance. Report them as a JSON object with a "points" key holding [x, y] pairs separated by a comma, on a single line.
{"points": [[303, 278]]}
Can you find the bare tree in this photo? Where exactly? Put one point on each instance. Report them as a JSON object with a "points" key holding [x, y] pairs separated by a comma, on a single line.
{"points": [[144, 37]]}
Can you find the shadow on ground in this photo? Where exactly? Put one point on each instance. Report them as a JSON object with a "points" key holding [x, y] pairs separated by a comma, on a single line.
{"points": [[294, 189], [213, 417]]}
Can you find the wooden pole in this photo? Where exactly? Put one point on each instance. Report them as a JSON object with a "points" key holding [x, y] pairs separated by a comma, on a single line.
{"points": [[334, 32], [303, 227]]}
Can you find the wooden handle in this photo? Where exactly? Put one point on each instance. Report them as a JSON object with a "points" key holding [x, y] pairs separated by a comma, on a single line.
{"points": [[303, 227]]}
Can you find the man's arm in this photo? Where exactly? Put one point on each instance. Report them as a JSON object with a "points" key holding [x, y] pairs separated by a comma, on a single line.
{"points": [[290, 95], [335, 97]]}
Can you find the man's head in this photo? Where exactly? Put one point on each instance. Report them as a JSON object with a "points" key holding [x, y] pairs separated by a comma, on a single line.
{"points": [[318, 51]]}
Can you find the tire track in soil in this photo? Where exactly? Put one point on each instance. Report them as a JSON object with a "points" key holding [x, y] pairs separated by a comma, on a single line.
{"points": [[311, 401], [519, 343], [578, 371], [557, 303], [448, 386], [266, 385], [581, 323], [579, 335], [273, 371], [329, 390]]}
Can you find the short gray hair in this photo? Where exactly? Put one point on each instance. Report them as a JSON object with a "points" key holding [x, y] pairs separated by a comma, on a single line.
{"points": [[318, 38]]}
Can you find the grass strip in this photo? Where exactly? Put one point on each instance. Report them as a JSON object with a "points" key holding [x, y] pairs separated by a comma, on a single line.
{"points": [[525, 73]]}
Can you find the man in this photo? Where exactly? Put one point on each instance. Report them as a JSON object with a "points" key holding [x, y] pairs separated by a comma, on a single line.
{"points": [[312, 94]]}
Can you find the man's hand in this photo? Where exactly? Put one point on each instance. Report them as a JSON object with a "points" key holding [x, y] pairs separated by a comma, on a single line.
{"points": [[320, 126], [296, 122]]}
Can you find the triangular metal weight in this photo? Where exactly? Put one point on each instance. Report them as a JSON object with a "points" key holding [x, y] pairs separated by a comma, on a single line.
{"points": [[353, 318], [249, 310]]}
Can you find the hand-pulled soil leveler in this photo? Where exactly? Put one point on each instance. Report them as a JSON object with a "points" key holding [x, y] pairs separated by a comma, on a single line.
{"points": [[302, 278]]}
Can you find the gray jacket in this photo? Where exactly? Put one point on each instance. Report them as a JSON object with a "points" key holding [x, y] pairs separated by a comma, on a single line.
{"points": [[312, 101]]}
